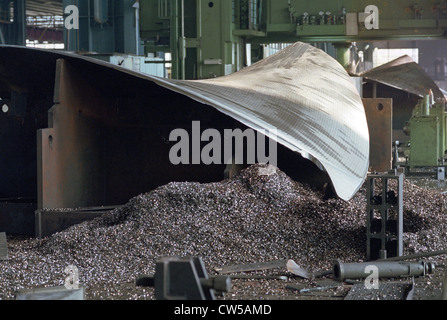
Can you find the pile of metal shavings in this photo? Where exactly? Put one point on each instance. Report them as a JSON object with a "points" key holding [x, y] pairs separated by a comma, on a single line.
{"points": [[425, 217], [250, 218]]}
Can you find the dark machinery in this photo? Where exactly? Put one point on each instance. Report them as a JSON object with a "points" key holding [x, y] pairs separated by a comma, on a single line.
{"points": [[184, 279]]}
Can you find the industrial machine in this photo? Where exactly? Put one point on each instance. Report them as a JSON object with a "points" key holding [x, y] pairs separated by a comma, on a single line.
{"points": [[105, 27], [178, 278], [427, 131], [214, 38]]}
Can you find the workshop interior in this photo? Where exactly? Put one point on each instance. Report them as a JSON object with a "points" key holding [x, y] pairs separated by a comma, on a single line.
{"points": [[223, 150]]}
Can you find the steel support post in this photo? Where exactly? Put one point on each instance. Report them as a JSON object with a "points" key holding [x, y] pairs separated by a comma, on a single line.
{"points": [[343, 54], [384, 216], [19, 24]]}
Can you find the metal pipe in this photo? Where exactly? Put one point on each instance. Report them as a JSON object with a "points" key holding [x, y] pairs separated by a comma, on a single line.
{"points": [[426, 105], [256, 277], [416, 256], [2, 38], [20, 22], [375, 90], [101, 11], [342, 271], [343, 54], [137, 26], [217, 283], [307, 290], [183, 40]]}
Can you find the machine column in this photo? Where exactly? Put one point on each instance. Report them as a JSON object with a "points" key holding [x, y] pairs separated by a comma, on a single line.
{"points": [[343, 54]]}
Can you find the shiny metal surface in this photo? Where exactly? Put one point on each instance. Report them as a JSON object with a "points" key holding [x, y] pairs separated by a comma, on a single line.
{"points": [[309, 98], [405, 74]]}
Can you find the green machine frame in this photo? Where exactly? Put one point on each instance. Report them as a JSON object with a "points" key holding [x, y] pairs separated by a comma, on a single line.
{"points": [[208, 38], [427, 130]]}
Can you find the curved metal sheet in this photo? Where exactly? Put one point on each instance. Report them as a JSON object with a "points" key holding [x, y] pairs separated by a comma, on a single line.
{"points": [[302, 92], [405, 74], [309, 98]]}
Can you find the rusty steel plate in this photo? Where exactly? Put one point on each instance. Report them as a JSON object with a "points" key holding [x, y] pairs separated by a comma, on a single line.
{"points": [[379, 113]]}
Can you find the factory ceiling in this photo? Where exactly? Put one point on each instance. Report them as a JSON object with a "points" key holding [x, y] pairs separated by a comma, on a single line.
{"points": [[43, 8]]}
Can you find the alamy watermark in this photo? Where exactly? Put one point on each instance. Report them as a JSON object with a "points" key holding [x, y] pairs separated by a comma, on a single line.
{"points": [[72, 20], [234, 146], [372, 280], [72, 279]]}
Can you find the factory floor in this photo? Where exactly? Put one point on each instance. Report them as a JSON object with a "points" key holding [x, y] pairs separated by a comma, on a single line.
{"points": [[249, 219]]}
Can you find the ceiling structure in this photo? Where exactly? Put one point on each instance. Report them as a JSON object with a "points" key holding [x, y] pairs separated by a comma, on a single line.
{"points": [[44, 8]]}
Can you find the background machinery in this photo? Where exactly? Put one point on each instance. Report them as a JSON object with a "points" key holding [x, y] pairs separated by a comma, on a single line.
{"points": [[207, 39], [427, 131], [214, 38]]}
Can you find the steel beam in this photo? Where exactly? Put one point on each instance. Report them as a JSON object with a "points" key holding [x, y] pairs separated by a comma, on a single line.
{"points": [[44, 7], [384, 220], [48, 222], [70, 150], [19, 24]]}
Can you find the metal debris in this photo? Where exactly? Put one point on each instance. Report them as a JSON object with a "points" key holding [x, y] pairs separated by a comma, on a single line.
{"points": [[249, 219], [314, 289], [251, 267], [257, 277], [386, 291], [292, 267], [3, 247], [57, 293]]}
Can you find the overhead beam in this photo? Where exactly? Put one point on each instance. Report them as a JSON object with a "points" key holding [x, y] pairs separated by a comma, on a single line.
{"points": [[42, 8]]}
